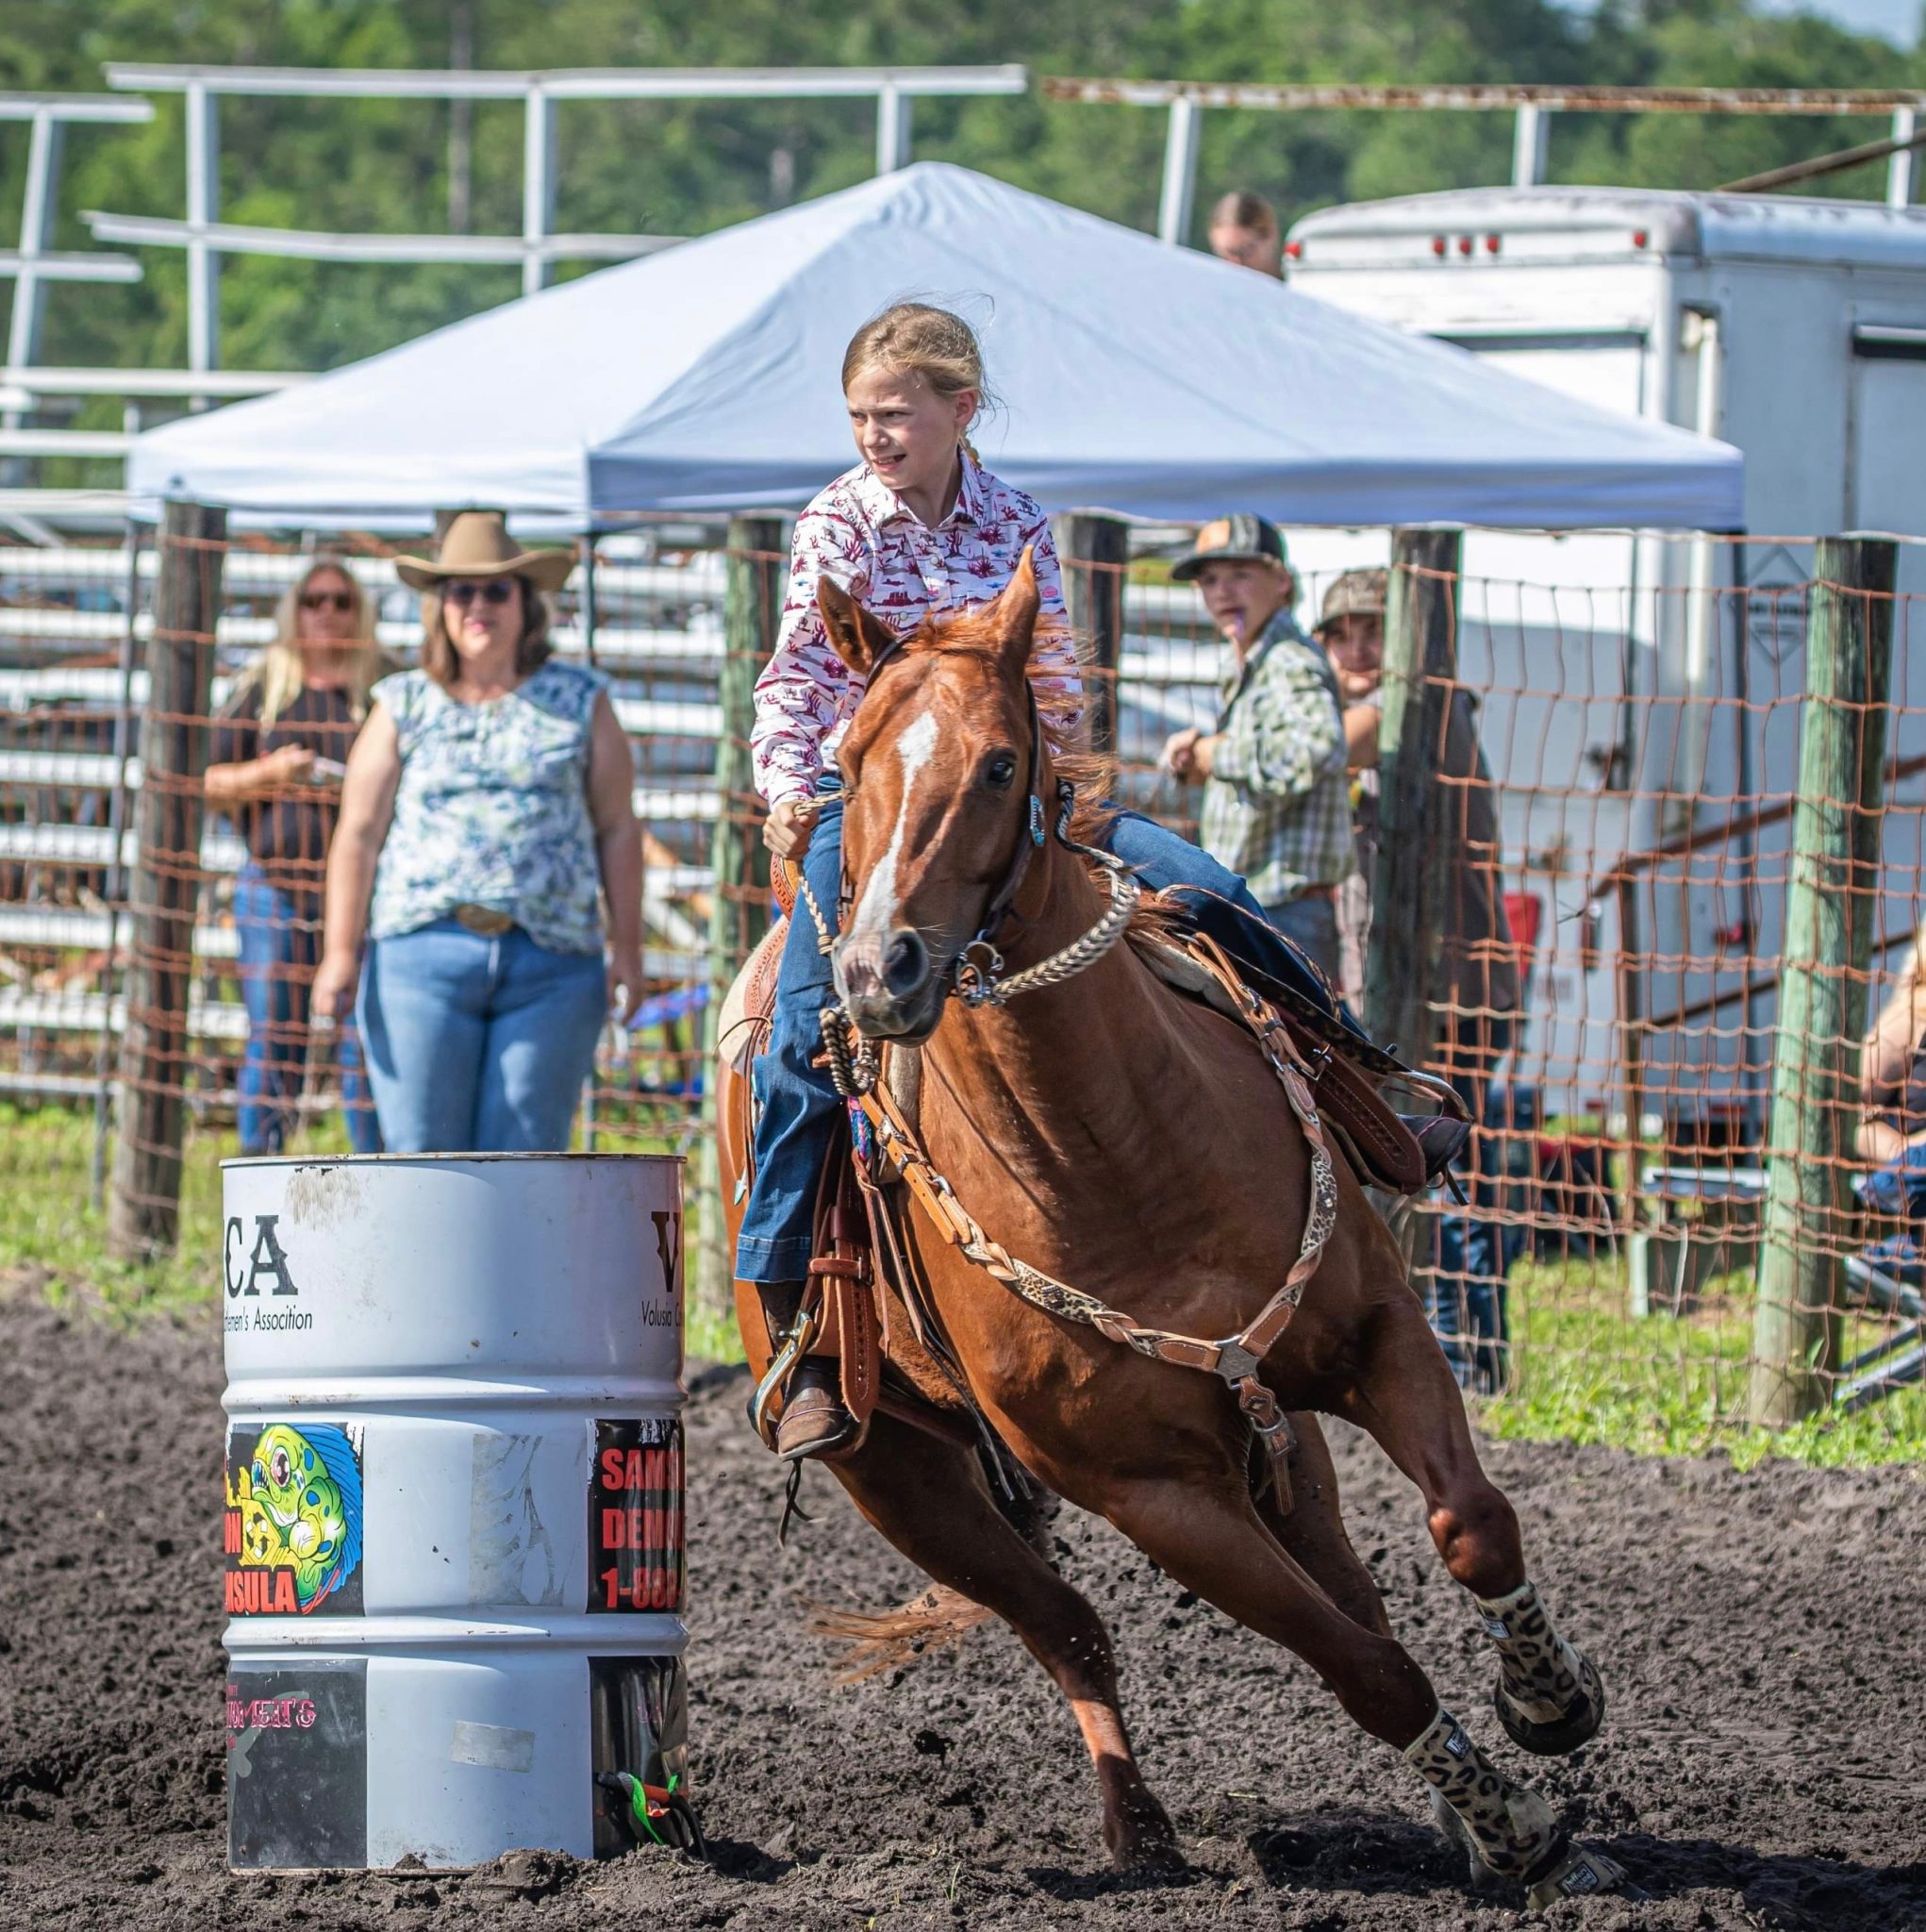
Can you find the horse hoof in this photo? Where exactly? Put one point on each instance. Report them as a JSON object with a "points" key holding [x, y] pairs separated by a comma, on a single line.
{"points": [[1473, 1872], [1576, 1871], [1579, 1725], [1144, 1845]]}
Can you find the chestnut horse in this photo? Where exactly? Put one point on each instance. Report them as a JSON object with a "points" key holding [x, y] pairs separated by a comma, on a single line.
{"points": [[1136, 1145]]}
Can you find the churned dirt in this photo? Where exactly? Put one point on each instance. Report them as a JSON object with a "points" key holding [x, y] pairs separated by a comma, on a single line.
{"points": [[1763, 1638]]}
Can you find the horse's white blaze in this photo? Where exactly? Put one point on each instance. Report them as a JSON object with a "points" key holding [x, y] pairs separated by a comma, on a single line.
{"points": [[876, 913]]}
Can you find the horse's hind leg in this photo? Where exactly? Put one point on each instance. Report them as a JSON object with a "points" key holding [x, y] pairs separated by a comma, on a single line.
{"points": [[1548, 1695], [1212, 1540], [929, 1498]]}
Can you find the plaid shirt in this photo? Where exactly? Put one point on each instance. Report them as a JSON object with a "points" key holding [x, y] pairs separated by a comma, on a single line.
{"points": [[1277, 804], [859, 532]]}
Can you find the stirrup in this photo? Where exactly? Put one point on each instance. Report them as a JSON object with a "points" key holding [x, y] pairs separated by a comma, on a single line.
{"points": [[1441, 1137]]}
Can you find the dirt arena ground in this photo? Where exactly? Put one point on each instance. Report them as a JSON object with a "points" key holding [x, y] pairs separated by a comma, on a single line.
{"points": [[1763, 1638]]}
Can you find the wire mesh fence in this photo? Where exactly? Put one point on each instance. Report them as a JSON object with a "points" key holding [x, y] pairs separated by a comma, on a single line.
{"points": [[1607, 992]]}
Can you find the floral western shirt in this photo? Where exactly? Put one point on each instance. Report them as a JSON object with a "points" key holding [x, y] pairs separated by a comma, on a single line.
{"points": [[1277, 804], [492, 809], [859, 532]]}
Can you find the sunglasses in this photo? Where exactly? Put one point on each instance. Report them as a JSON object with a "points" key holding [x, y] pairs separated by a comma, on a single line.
{"points": [[327, 600], [493, 591]]}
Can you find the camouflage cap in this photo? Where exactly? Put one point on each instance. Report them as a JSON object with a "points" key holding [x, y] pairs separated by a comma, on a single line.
{"points": [[1357, 594], [1244, 537]]}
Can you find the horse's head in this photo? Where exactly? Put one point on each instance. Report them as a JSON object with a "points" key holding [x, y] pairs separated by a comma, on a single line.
{"points": [[935, 780]]}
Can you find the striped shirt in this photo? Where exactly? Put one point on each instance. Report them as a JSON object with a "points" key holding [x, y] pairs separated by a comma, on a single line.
{"points": [[859, 532], [1277, 804]]}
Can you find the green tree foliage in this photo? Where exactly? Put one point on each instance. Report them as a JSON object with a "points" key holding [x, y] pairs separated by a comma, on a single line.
{"points": [[686, 168]]}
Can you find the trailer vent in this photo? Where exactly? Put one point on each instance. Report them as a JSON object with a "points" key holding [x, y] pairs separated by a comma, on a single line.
{"points": [[1880, 342]]}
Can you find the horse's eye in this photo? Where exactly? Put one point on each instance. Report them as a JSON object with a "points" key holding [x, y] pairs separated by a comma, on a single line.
{"points": [[1000, 771]]}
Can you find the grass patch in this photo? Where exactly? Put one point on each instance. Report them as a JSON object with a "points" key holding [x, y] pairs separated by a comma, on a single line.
{"points": [[1587, 1371]]}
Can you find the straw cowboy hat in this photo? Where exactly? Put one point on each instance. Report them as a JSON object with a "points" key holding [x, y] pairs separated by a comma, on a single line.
{"points": [[476, 544]]}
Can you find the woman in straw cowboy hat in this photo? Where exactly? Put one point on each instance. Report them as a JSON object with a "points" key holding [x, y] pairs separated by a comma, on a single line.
{"points": [[488, 794]]}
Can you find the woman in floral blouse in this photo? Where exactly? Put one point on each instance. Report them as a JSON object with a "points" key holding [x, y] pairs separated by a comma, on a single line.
{"points": [[917, 526], [488, 795]]}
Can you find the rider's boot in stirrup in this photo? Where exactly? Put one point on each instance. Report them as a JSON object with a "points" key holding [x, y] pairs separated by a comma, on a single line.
{"points": [[814, 1420]]}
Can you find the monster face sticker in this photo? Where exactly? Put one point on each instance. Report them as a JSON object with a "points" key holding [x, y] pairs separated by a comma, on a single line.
{"points": [[292, 1533]]}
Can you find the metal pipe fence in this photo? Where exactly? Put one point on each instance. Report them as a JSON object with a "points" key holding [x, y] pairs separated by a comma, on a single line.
{"points": [[1632, 838]]}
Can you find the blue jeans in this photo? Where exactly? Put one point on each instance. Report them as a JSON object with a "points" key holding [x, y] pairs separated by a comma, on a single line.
{"points": [[1311, 924], [1465, 1298], [478, 1044], [800, 1112], [280, 947]]}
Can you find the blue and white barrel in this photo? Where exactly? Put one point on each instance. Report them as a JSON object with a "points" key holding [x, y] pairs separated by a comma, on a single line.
{"points": [[454, 1523]]}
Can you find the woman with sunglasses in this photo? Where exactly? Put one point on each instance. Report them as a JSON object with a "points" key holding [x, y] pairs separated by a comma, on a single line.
{"points": [[279, 749], [490, 794]]}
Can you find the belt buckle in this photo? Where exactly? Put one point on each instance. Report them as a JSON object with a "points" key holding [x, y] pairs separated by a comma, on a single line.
{"points": [[484, 920]]}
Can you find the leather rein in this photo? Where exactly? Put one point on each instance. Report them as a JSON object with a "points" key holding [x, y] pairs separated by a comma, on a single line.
{"points": [[980, 980]]}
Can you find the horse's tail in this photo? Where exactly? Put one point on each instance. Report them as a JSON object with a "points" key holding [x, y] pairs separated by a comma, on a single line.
{"points": [[877, 1640]]}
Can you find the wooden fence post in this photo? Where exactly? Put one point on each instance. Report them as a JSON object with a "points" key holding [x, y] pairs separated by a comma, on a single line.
{"points": [[143, 1205], [739, 905], [1407, 894], [1829, 897], [1093, 551]]}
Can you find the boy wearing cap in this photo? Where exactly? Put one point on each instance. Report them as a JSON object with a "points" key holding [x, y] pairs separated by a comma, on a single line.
{"points": [[1277, 799], [1477, 978]]}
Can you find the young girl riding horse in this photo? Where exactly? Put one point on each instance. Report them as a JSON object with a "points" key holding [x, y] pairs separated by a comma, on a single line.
{"points": [[918, 527]]}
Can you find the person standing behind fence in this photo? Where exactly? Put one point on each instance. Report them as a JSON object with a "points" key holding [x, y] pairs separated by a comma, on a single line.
{"points": [[1476, 981], [1243, 229], [490, 792], [279, 750], [1276, 804], [1892, 1130]]}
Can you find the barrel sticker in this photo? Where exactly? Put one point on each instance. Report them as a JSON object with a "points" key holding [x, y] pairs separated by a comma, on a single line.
{"points": [[635, 1516], [293, 1532], [297, 1764]]}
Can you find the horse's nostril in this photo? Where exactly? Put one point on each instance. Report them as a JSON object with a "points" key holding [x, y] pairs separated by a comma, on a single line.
{"points": [[905, 965]]}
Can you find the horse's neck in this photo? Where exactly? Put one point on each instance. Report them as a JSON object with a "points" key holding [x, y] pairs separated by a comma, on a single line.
{"points": [[1066, 1070]]}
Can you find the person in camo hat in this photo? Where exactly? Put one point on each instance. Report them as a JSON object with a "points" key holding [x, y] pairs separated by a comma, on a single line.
{"points": [[1477, 978], [1276, 801]]}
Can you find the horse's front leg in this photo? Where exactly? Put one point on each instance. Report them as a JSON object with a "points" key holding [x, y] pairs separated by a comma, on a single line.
{"points": [[1207, 1535], [1549, 1696]]}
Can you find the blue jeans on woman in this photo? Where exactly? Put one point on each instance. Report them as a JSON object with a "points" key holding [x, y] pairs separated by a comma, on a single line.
{"points": [[478, 1043], [799, 1110], [280, 947]]}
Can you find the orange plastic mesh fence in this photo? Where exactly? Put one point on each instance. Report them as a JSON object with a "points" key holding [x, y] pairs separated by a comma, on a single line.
{"points": [[1617, 857]]}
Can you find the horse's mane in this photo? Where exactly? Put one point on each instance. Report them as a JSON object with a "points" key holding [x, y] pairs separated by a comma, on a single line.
{"points": [[974, 634]]}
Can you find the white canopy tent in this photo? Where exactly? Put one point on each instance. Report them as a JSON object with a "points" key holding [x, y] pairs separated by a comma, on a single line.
{"points": [[1133, 377]]}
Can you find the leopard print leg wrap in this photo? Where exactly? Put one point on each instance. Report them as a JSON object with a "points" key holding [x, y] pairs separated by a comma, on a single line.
{"points": [[1541, 1676], [1511, 1828]]}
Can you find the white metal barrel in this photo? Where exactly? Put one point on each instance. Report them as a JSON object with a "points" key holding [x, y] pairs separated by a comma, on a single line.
{"points": [[453, 1531]]}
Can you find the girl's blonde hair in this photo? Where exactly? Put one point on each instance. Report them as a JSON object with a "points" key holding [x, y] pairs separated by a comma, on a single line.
{"points": [[280, 672], [915, 338], [533, 649]]}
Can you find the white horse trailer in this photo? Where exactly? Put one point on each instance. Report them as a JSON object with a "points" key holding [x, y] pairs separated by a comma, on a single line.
{"points": [[1642, 691]]}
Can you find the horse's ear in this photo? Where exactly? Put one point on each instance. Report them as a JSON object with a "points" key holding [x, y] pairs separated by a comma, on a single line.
{"points": [[1017, 608], [857, 636]]}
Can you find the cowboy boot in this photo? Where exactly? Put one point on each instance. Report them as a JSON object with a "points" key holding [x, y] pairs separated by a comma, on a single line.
{"points": [[814, 1419]]}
